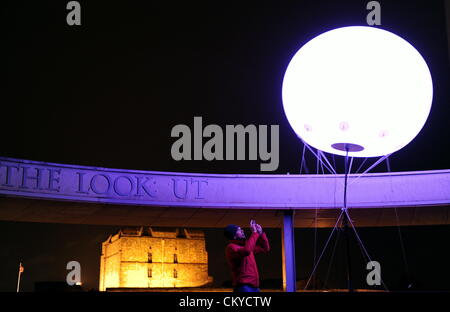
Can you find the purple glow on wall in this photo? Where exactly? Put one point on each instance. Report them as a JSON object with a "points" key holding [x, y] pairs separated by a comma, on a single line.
{"points": [[60, 182]]}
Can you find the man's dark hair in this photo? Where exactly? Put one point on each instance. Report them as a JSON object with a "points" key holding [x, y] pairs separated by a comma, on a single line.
{"points": [[230, 231]]}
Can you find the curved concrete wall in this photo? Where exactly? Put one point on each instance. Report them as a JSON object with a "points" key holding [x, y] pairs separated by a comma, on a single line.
{"points": [[41, 180]]}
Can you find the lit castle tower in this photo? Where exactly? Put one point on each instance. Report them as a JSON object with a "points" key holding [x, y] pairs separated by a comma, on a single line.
{"points": [[151, 258]]}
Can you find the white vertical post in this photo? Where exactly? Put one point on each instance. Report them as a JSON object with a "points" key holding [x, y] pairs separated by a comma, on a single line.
{"points": [[288, 252], [18, 278]]}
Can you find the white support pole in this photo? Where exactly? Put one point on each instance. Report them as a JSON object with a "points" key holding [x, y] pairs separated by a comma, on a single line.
{"points": [[18, 278], [288, 252]]}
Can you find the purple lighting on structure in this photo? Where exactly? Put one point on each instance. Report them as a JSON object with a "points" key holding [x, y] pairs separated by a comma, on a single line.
{"points": [[62, 182]]}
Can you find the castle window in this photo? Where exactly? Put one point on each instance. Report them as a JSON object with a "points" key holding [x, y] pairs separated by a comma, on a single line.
{"points": [[149, 273], [175, 258], [175, 273], [150, 257]]}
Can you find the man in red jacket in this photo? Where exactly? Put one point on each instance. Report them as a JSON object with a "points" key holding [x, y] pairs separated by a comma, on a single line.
{"points": [[240, 256]]}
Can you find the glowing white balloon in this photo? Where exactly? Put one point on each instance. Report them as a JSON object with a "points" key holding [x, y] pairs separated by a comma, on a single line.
{"points": [[361, 86]]}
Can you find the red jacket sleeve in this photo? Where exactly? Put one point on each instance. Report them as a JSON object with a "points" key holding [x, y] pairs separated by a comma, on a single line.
{"points": [[236, 251], [262, 244]]}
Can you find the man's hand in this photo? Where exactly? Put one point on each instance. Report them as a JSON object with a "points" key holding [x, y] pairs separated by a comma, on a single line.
{"points": [[259, 229]]}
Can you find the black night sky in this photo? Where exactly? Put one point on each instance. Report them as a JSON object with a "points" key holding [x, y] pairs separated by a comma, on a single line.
{"points": [[107, 93]]}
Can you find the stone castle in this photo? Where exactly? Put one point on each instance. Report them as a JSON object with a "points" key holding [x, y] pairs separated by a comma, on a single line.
{"points": [[152, 258]]}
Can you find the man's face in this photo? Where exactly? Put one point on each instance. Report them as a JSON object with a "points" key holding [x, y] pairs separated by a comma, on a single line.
{"points": [[239, 233]]}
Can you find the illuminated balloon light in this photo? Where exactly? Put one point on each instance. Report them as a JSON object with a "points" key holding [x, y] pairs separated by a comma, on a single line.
{"points": [[358, 87]]}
